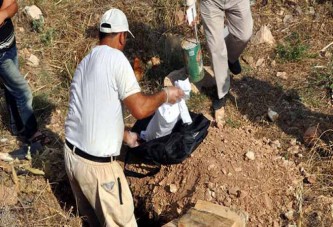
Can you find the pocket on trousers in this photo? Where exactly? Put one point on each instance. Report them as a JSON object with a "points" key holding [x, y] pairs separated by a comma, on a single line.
{"points": [[117, 201]]}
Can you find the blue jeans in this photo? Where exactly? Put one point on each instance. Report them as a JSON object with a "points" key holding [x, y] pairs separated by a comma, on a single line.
{"points": [[18, 95]]}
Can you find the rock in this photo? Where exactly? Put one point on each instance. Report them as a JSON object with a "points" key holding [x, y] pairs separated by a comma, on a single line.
{"points": [[282, 75], [6, 157], [33, 61], [260, 62], [8, 196], [33, 12], [238, 216], [243, 194], [312, 11], [288, 19], [227, 201], [293, 142], [211, 167], [272, 115], [264, 35], [311, 135], [310, 179], [3, 140], [208, 195], [234, 191], [180, 17], [250, 155], [298, 10], [6, 167], [293, 149], [275, 144], [173, 188], [268, 202], [289, 215]]}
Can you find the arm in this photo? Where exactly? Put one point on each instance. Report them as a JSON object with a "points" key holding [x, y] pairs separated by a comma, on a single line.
{"points": [[8, 10], [141, 105]]}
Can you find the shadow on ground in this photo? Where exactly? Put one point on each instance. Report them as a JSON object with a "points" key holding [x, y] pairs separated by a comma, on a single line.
{"points": [[253, 97]]}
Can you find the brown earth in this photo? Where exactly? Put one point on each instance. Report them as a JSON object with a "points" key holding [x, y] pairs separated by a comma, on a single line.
{"points": [[287, 182]]}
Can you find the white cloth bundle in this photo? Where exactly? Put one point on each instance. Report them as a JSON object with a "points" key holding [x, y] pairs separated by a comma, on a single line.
{"points": [[167, 115]]}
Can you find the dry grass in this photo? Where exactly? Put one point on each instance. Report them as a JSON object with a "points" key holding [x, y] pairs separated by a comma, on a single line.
{"points": [[69, 32]]}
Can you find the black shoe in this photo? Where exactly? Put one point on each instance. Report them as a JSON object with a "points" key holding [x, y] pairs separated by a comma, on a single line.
{"points": [[235, 67], [219, 103]]}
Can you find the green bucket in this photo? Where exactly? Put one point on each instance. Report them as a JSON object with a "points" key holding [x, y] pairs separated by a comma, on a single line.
{"points": [[193, 60]]}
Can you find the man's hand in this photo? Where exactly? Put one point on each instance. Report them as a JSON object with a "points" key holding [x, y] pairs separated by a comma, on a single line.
{"points": [[131, 139], [174, 94], [3, 16]]}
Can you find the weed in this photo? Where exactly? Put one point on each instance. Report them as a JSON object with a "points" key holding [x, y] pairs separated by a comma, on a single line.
{"points": [[232, 123], [38, 25], [48, 37], [293, 49], [198, 102]]}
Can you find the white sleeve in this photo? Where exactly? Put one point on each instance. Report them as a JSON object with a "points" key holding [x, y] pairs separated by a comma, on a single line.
{"points": [[125, 79]]}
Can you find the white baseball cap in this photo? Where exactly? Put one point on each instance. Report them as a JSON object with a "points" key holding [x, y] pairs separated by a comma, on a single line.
{"points": [[114, 21]]}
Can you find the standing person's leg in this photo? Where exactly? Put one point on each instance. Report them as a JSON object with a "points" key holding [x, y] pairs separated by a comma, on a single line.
{"points": [[16, 125], [105, 188], [213, 18], [85, 209], [240, 24], [18, 87]]}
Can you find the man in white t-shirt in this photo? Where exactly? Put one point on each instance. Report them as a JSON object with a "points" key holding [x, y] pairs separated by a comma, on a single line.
{"points": [[95, 127]]}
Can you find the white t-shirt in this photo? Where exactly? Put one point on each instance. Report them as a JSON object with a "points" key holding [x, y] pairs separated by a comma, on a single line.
{"points": [[95, 122]]}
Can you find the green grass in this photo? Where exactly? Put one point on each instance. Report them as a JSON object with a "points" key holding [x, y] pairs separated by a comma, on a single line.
{"points": [[198, 102], [233, 123], [293, 49]]}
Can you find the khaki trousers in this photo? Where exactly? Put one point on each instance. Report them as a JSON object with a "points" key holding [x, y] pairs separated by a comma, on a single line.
{"points": [[240, 25], [101, 191]]}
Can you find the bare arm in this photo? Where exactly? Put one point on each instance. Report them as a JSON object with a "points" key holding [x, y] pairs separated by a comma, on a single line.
{"points": [[8, 10], [141, 105]]}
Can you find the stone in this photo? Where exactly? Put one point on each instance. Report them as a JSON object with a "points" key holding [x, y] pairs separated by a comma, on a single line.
{"points": [[288, 19], [293, 149], [208, 195], [289, 215], [6, 157], [268, 202], [6, 167], [264, 35], [8, 196], [196, 217], [282, 75], [180, 17], [250, 155], [234, 191], [311, 135], [275, 144], [272, 115], [260, 62], [33, 60], [33, 12], [238, 216], [293, 142], [3, 140], [173, 188]]}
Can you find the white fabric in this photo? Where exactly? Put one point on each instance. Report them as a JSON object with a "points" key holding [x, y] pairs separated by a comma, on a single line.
{"points": [[117, 21], [167, 115], [94, 122]]}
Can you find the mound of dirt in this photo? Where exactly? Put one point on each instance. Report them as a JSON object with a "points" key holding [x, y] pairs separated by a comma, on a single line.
{"points": [[219, 171]]}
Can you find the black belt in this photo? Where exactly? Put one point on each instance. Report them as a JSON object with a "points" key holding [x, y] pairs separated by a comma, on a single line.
{"points": [[85, 155]]}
